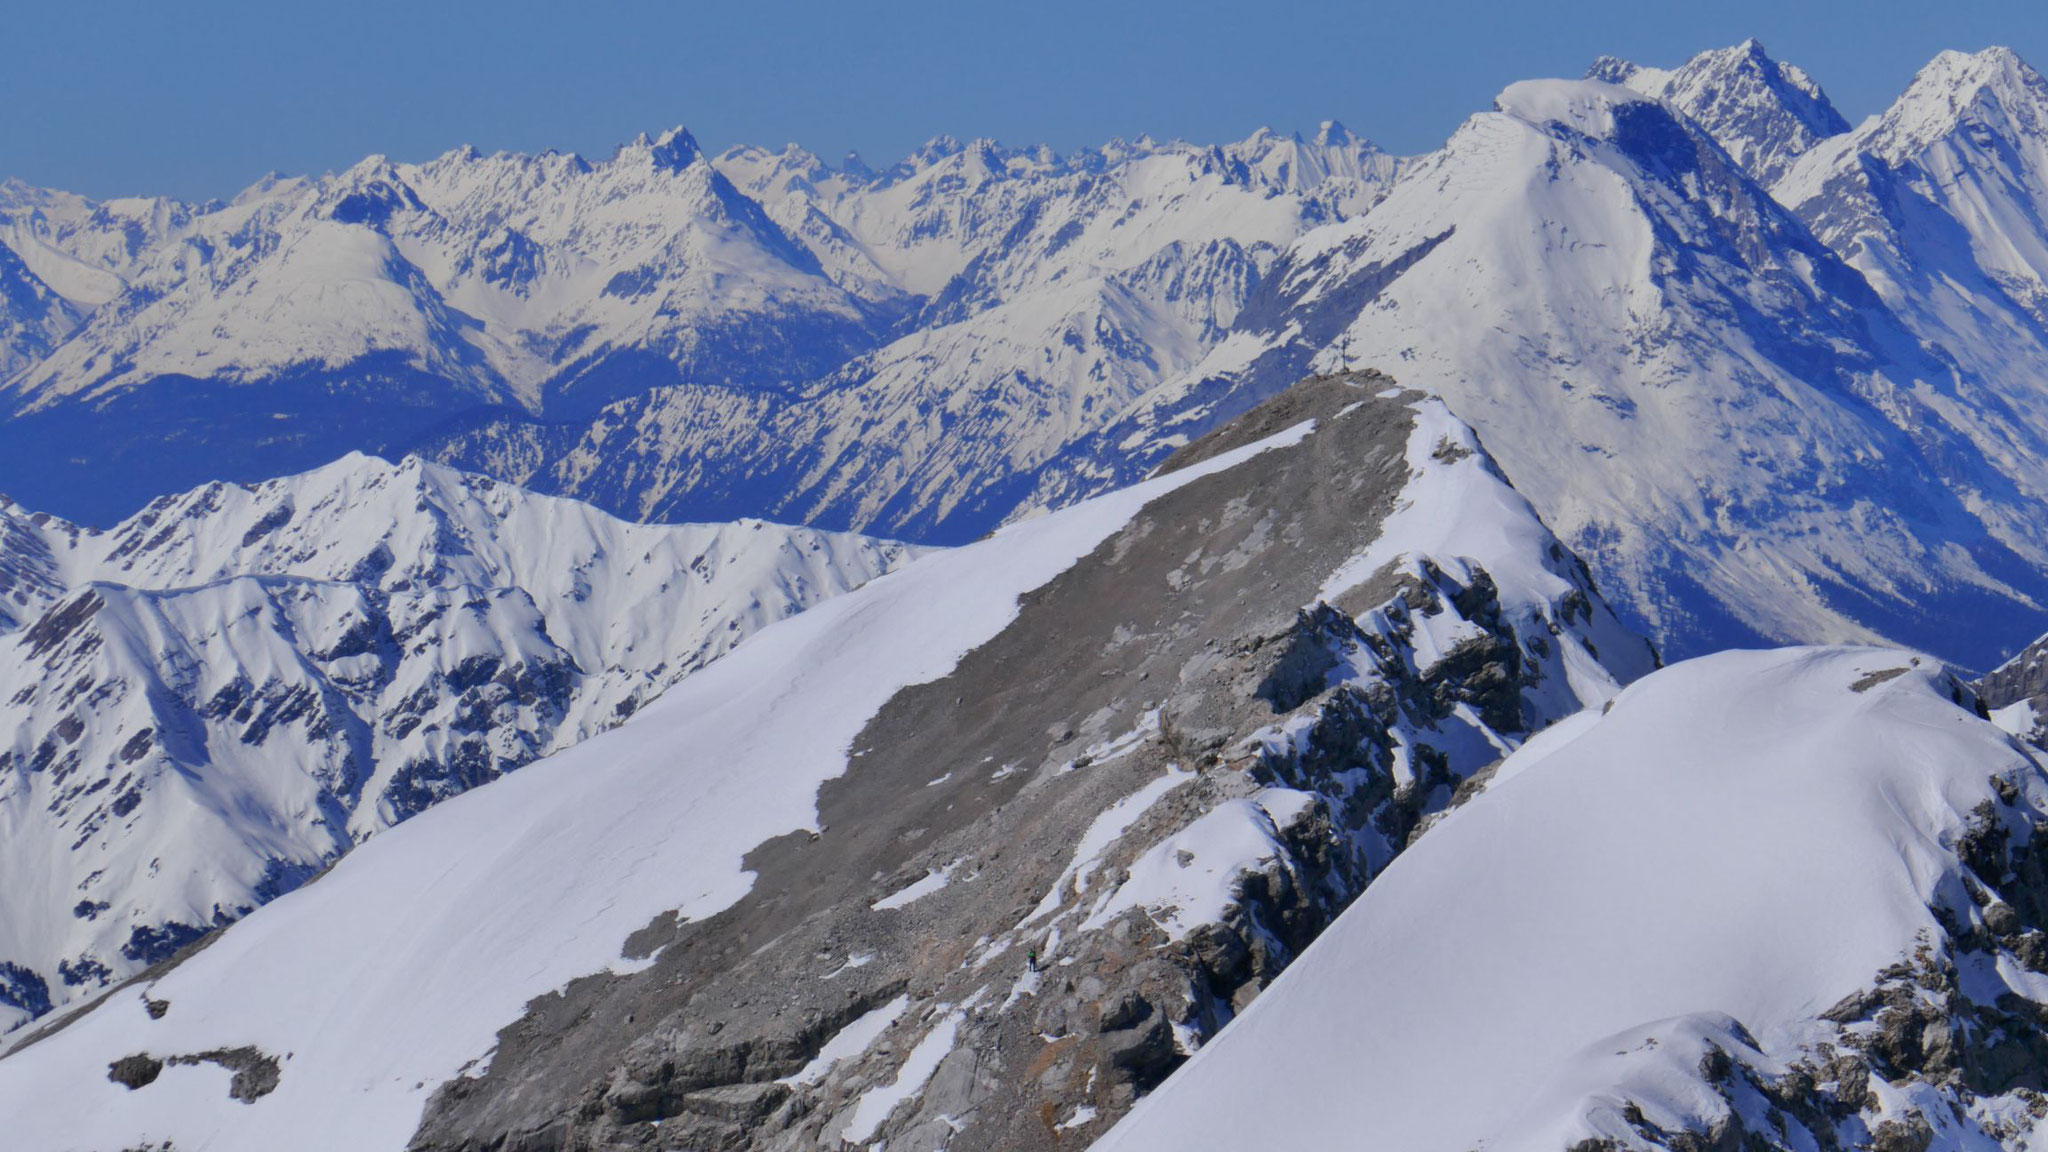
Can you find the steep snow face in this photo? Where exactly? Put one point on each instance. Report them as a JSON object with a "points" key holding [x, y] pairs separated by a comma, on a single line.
{"points": [[1942, 203], [30, 575], [209, 703], [437, 925], [1764, 113], [1694, 392], [86, 251], [1742, 844], [33, 317], [2017, 693], [1954, 173]]}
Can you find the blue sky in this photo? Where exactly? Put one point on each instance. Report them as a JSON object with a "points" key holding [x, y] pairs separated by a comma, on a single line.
{"points": [[197, 99]]}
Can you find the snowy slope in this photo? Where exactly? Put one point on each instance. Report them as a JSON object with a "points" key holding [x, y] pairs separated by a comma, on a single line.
{"points": [[1968, 139], [88, 251], [538, 878], [968, 225], [1942, 203], [33, 317], [536, 841], [1591, 275], [366, 308], [1794, 857], [1696, 393], [212, 701]]}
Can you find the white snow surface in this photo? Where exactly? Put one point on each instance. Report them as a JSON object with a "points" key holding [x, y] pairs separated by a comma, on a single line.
{"points": [[917, 890], [1042, 291], [876, 1104], [850, 1041], [1742, 838], [1102, 832], [1195, 876], [1458, 513], [396, 969], [212, 700]]}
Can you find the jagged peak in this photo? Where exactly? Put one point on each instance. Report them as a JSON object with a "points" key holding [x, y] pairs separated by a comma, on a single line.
{"points": [[1998, 70], [1333, 134], [369, 193], [375, 166], [934, 150], [1763, 112], [1612, 70], [267, 186], [350, 467], [1753, 58], [671, 151], [1330, 136], [1959, 86]]}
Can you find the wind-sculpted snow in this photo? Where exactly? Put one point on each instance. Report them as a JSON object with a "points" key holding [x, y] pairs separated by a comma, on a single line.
{"points": [[209, 703], [1764, 901]]}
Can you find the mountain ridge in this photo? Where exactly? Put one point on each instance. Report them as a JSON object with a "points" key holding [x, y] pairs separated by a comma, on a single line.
{"points": [[216, 699]]}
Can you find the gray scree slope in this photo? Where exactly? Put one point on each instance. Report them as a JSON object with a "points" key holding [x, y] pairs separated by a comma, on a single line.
{"points": [[1172, 644]]}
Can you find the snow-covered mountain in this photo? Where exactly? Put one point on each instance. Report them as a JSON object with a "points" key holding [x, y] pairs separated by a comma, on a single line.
{"points": [[1942, 204], [1730, 422], [1052, 291], [1765, 113], [1000, 846], [360, 310], [1774, 378], [1787, 899], [209, 703], [969, 856], [490, 307]]}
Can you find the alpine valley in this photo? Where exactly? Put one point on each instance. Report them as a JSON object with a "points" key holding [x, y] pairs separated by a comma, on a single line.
{"points": [[1160, 647]]}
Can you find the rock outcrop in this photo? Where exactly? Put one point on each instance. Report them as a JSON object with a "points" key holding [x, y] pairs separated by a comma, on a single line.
{"points": [[1052, 874]]}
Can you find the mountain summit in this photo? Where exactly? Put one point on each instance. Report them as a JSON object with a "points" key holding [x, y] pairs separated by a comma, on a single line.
{"points": [[1764, 112]]}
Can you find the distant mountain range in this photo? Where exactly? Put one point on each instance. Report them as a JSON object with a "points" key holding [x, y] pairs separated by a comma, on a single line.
{"points": [[1639, 288]]}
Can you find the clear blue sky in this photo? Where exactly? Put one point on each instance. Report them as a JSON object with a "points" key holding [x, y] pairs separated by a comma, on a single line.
{"points": [[198, 98]]}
